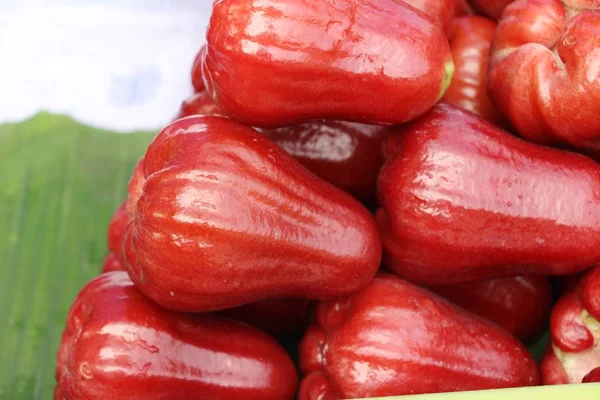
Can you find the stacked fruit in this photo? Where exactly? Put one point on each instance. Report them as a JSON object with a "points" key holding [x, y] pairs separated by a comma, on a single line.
{"points": [[325, 181]]}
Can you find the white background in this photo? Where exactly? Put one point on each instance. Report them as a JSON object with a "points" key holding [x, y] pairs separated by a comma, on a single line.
{"points": [[117, 64]]}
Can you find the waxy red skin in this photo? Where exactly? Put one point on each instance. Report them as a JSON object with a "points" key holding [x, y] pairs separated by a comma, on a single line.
{"points": [[120, 345], [280, 316], [277, 317], [521, 304], [490, 8], [574, 351], [197, 81], [470, 40], [345, 154], [113, 262], [227, 218], [462, 200], [273, 63], [544, 71], [395, 338]]}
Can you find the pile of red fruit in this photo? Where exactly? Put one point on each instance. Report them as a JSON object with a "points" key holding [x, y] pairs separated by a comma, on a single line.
{"points": [[342, 174]]}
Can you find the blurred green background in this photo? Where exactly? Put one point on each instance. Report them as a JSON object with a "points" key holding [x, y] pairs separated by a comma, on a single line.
{"points": [[60, 182]]}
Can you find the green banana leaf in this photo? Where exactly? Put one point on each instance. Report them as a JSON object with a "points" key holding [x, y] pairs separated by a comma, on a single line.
{"points": [[60, 183]]}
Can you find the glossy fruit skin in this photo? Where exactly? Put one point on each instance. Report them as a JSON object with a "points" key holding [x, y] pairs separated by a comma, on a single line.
{"points": [[227, 218], [470, 40], [197, 81], [574, 351], [113, 262], [462, 200], [490, 8], [345, 154], [395, 338], [521, 304], [277, 317], [273, 63], [544, 74], [119, 345]]}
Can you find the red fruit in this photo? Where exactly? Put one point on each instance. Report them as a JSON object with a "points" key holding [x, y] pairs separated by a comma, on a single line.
{"points": [[113, 262], [227, 218], [116, 230], [345, 154], [197, 81], [394, 338], [278, 317], [521, 304], [462, 200], [470, 41], [273, 63], [119, 345], [490, 8], [544, 73], [574, 353]]}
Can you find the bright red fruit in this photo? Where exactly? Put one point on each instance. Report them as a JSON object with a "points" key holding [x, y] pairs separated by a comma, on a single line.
{"points": [[226, 218], [272, 63], [574, 353], [470, 41], [394, 338], [462, 200], [345, 154], [119, 345], [491, 8], [545, 71], [521, 304], [113, 262]]}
